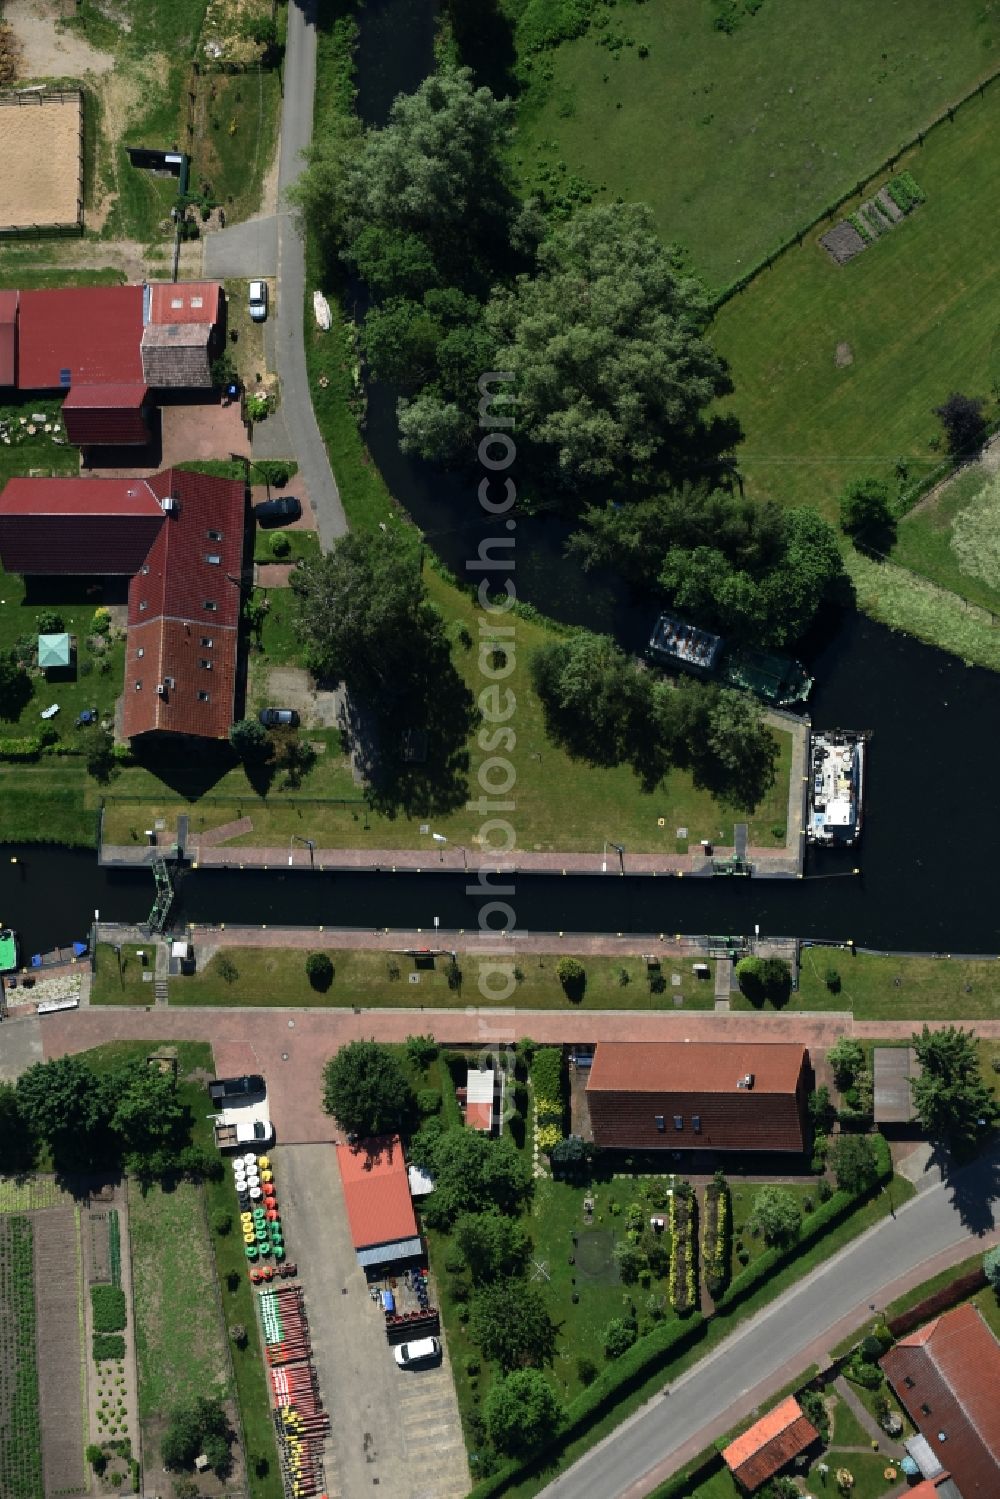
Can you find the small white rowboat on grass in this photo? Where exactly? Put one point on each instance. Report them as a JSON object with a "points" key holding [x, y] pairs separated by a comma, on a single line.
{"points": [[321, 310]]}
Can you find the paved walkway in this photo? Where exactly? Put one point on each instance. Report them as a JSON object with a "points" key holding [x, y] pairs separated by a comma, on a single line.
{"points": [[887, 1444], [243, 251]]}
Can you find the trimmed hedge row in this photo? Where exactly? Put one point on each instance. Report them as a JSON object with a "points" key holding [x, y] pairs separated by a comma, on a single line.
{"points": [[716, 1237], [548, 1074], [108, 1303], [825, 1217], [698, 1471], [643, 1359], [108, 1345], [939, 1301]]}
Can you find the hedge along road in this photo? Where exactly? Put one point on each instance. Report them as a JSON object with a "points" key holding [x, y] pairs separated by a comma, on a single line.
{"points": [[948, 1218]]}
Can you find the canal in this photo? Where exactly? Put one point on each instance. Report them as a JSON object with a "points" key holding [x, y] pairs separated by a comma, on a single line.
{"points": [[933, 787]]}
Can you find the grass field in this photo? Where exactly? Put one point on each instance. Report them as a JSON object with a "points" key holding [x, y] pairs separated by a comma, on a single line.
{"points": [[737, 140], [918, 311], [948, 538], [928, 988], [275, 976]]}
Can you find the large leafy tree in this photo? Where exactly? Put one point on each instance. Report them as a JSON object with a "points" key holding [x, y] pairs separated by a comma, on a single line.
{"points": [[366, 1089], [951, 1099], [469, 1169], [522, 1410], [607, 342], [855, 1163], [593, 697], [775, 1215], [145, 1111], [15, 686], [491, 1245], [510, 1321], [363, 614], [66, 1105]]}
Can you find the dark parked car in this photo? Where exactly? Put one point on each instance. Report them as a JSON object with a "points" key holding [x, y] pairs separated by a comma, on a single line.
{"points": [[222, 1088], [278, 510], [272, 717]]}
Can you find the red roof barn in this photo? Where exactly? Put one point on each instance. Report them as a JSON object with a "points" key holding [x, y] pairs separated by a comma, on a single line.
{"points": [[86, 335], [947, 1375], [699, 1095], [78, 526], [98, 415], [8, 338]]}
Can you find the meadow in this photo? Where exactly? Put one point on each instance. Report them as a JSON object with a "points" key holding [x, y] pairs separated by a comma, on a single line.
{"points": [[737, 140]]}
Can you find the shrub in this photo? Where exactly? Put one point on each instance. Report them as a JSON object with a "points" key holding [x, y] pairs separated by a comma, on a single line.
{"points": [[238, 1333], [319, 971], [586, 1370], [573, 977], [547, 1136], [50, 623], [548, 1076], [453, 974], [280, 546], [869, 1376], [517, 1128], [421, 1050], [991, 1267], [831, 979], [870, 1349], [222, 1221], [428, 1102], [619, 1336], [657, 983], [108, 1303], [227, 969], [95, 1457], [108, 1345]]}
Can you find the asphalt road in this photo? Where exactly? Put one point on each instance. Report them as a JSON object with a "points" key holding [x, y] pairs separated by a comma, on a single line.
{"points": [[296, 404], [783, 1339]]}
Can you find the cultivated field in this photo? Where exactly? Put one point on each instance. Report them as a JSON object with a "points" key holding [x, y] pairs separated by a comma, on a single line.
{"points": [[40, 161], [60, 1374], [837, 369], [736, 140], [20, 1435]]}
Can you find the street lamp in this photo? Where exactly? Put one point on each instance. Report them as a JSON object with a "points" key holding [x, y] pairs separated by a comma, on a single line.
{"points": [[118, 955], [442, 840], [250, 463], [310, 845], [619, 849]]}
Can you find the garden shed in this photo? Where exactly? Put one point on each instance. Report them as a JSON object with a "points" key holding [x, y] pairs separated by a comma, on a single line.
{"points": [[55, 651]]}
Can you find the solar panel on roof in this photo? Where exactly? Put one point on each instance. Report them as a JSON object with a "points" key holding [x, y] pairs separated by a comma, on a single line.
{"points": [[65, 376]]}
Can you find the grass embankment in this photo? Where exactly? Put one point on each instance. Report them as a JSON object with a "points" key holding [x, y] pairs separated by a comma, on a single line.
{"points": [[18, 271], [916, 311], [179, 1267], [737, 140], [876, 986], [275, 976]]}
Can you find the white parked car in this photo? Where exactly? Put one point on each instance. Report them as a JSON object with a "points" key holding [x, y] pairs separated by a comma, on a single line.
{"points": [[258, 301], [422, 1351]]}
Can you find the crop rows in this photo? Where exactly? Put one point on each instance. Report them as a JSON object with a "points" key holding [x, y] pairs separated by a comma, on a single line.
{"points": [[20, 1430], [115, 1247]]}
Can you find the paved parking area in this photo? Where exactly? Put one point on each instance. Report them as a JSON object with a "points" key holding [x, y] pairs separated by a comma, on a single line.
{"points": [[401, 1428]]}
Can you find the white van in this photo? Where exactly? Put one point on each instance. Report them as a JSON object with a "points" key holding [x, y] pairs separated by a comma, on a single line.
{"points": [[423, 1351]]}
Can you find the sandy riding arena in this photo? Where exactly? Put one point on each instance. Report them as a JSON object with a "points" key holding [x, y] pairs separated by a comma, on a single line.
{"points": [[41, 144]]}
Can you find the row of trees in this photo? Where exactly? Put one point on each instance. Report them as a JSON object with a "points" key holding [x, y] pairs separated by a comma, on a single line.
{"points": [[602, 707]]}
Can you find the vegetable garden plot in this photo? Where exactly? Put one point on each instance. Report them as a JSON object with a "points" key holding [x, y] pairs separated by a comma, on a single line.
{"points": [[20, 1430]]}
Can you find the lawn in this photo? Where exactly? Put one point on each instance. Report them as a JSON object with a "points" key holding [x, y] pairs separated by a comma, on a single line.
{"points": [[35, 452], [952, 529], [301, 545], [917, 311], [868, 1469], [236, 124], [124, 984], [743, 1194], [737, 140], [275, 976], [928, 988]]}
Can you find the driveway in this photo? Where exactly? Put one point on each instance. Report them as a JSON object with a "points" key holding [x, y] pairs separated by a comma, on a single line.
{"points": [[243, 251], [398, 1429]]}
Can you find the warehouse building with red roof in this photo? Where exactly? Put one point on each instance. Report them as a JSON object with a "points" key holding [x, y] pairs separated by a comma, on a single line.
{"points": [[379, 1207], [700, 1095], [179, 537]]}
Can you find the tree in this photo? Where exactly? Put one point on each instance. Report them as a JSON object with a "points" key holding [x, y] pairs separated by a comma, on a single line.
{"points": [[619, 1335], [491, 1245], [17, 1152], [511, 1324], [855, 1163], [421, 1050], [735, 755], [630, 1260], [199, 1425], [963, 422], [249, 739], [522, 1412], [573, 977], [777, 981], [65, 1105], [865, 512], [991, 1267], [469, 1169], [15, 686], [606, 341], [775, 1215], [319, 971], [367, 1091], [593, 697], [820, 1109], [950, 1097], [846, 1058], [145, 1111], [750, 977], [99, 755], [362, 612]]}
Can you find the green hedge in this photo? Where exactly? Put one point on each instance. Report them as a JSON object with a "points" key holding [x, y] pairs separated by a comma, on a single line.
{"points": [[644, 1359], [27, 748], [693, 1474], [108, 1303], [839, 1206], [547, 1073], [108, 1345]]}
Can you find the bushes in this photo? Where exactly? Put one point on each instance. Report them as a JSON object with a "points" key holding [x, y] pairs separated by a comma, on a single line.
{"points": [[716, 1242], [29, 747], [683, 1274], [108, 1303], [319, 971], [573, 977], [619, 1336], [904, 192], [108, 1345], [548, 1077]]}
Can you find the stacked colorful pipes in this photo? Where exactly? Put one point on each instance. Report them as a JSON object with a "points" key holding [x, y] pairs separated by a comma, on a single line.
{"points": [[260, 1220], [301, 1421]]}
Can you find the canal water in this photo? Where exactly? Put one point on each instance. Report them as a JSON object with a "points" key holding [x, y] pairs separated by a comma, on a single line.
{"points": [[927, 853]]}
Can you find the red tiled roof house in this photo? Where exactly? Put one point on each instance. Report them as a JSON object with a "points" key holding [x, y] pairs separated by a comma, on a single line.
{"points": [[770, 1445], [698, 1095], [179, 537], [947, 1375], [379, 1206]]}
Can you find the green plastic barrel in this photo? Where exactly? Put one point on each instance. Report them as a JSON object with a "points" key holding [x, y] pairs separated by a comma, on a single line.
{"points": [[251, 1251]]}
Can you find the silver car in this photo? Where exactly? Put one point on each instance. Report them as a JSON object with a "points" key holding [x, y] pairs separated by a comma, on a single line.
{"points": [[258, 301]]}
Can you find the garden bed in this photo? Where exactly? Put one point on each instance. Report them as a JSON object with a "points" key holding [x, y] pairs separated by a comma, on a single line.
{"points": [[20, 1430]]}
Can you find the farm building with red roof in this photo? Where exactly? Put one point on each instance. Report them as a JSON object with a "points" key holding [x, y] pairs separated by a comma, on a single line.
{"points": [[702, 1095], [379, 1206], [179, 537], [770, 1445], [947, 1375], [108, 346]]}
